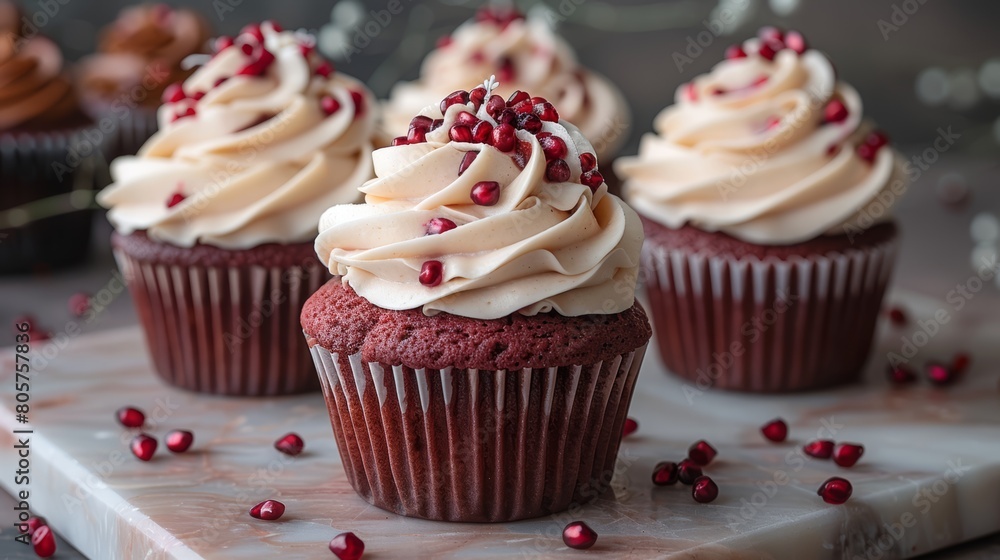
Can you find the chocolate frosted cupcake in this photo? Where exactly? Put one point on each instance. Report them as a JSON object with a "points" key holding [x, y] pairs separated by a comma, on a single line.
{"points": [[215, 218], [524, 54], [138, 56], [479, 352], [765, 197]]}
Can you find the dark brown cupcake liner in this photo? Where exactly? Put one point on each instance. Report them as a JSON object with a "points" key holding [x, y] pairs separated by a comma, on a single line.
{"points": [[226, 330], [476, 445], [771, 325]]}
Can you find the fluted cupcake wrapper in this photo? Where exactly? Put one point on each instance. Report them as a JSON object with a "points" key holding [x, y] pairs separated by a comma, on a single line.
{"points": [[477, 445], [225, 330], [766, 326]]}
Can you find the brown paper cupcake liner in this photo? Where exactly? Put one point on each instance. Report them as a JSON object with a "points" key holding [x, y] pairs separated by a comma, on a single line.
{"points": [[477, 445], [772, 325], [227, 330]]}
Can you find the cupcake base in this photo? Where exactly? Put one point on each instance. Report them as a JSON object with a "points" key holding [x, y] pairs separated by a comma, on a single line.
{"points": [[745, 317]]}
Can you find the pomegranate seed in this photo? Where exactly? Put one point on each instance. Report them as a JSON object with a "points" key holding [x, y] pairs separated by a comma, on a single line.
{"points": [[173, 93], [770, 33], [143, 447], [175, 199], [835, 490], [347, 546], [359, 103], [329, 104], [507, 116], [834, 112], [701, 452], [130, 417], [253, 30], [592, 179], [179, 441], [219, 82], [495, 105], [197, 95], [249, 49], [416, 135], [588, 161], [189, 112], [290, 444], [688, 471], [477, 57], [665, 473], [436, 124], [482, 133], [444, 41], [704, 490], [486, 193], [553, 147], [268, 510], [832, 150], [460, 96], [960, 363], [43, 542], [547, 112], [440, 225], [274, 25], [477, 96], [735, 51], [399, 141], [557, 171], [460, 133], [867, 153], [307, 49], [529, 122], [222, 42], [467, 119], [630, 427], [796, 41], [819, 448], [898, 317], [901, 375], [506, 72], [690, 91], [522, 154], [79, 304], [769, 49], [847, 454], [579, 535], [776, 430], [467, 160], [940, 375], [32, 525], [504, 138], [324, 69], [517, 97], [431, 273], [876, 139]]}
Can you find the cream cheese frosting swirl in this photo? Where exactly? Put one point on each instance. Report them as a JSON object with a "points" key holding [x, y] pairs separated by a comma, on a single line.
{"points": [[527, 55], [769, 149], [257, 143], [541, 246]]}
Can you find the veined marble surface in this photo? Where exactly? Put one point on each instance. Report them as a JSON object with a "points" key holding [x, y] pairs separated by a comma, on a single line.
{"points": [[930, 476]]}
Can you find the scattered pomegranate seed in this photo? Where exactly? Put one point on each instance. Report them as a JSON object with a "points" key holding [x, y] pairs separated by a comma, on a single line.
{"points": [[940, 375], [179, 441], [359, 103], [307, 49], [776, 430], [290, 444], [188, 112], [477, 96], [517, 97], [329, 104], [960, 363], [688, 471], [522, 154], [796, 41], [460, 96], [431, 273], [771, 33], [820, 448], [79, 304], [547, 112], [592, 179], [175, 199], [347, 546], [416, 135], [219, 82], [436, 124], [529, 122], [482, 133], [399, 141], [665, 473], [130, 417], [44, 542], [173, 93], [835, 490], [495, 105], [486, 193], [467, 160], [253, 30], [143, 447], [438, 226], [579, 535], [504, 137], [466, 118], [735, 51], [901, 375], [898, 317], [847, 454], [690, 91], [460, 133], [444, 41], [222, 43], [630, 427], [876, 139], [588, 161], [553, 147], [268, 510], [701, 452], [324, 69], [557, 171], [704, 490], [769, 49], [33, 523], [867, 152], [506, 72], [834, 112], [832, 150]]}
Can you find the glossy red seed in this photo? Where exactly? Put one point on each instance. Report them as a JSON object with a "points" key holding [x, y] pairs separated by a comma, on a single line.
{"points": [[901, 374], [834, 112], [735, 51], [467, 119], [175, 199], [898, 317], [866, 152], [819, 448], [307, 49], [252, 30], [477, 96], [690, 91], [832, 150], [347, 546], [31, 525], [416, 135], [876, 139], [505, 72], [220, 81], [553, 147], [835, 490], [939, 374], [776, 430], [494, 105], [467, 160], [665, 473], [557, 171], [771, 33], [290, 444], [482, 133], [796, 41], [399, 141], [179, 441], [588, 161], [359, 104], [173, 93], [704, 490], [688, 471], [486, 193], [517, 97], [529, 122], [701, 452], [579, 535], [547, 112], [507, 116], [324, 69], [630, 427], [847, 454], [592, 179], [453, 98], [522, 154], [438, 226], [460, 133], [268, 510], [444, 41], [79, 304], [960, 363], [43, 542], [769, 49], [431, 273], [188, 112], [274, 25], [436, 124], [421, 121], [329, 104], [222, 42], [130, 417], [504, 138], [143, 447]]}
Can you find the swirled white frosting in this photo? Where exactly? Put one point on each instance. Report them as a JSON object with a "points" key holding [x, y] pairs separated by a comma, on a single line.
{"points": [[745, 150], [543, 247], [257, 163]]}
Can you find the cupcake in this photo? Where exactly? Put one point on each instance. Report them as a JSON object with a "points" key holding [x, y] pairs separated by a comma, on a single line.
{"points": [[765, 198], [479, 349], [524, 54], [214, 219], [138, 56], [48, 167]]}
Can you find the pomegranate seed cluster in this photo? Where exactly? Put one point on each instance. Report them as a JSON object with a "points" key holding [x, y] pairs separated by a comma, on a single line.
{"points": [[689, 472]]}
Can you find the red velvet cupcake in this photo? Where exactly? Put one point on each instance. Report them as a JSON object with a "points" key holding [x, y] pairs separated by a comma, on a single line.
{"points": [[479, 352], [765, 198]]}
